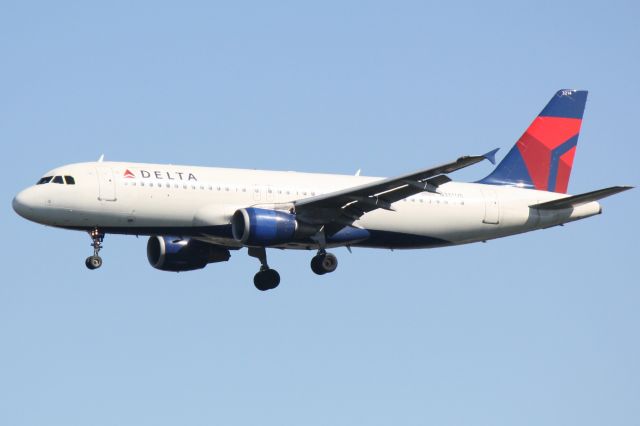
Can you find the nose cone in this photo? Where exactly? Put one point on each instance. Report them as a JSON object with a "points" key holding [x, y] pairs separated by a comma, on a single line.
{"points": [[24, 203]]}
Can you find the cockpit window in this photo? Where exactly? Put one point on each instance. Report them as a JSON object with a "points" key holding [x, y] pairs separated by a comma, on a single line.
{"points": [[69, 180]]}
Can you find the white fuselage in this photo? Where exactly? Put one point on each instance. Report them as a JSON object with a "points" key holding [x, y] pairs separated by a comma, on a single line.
{"points": [[156, 199]]}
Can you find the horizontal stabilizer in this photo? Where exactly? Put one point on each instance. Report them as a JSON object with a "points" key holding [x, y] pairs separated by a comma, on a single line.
{"points": [[576, 200]]}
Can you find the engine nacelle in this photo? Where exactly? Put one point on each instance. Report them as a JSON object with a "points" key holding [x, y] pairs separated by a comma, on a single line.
{"points": [[263, 227], [177, 254]]}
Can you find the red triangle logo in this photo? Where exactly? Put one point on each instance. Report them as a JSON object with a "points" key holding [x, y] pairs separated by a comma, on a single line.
{"points": [[128, 174]]}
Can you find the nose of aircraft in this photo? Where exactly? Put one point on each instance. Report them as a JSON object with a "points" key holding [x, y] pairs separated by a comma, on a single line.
{"points": [[24, 203]]}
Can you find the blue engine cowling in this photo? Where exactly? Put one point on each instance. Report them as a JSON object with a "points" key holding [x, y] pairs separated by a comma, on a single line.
{"points": [[177, 254], [263, 227]]}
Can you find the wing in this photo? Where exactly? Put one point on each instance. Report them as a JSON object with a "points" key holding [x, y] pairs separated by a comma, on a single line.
{"points": [[342, 208]]}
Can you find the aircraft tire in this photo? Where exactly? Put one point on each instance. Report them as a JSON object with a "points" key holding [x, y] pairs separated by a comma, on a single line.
{"points": [[316, 265], [266, 280], [324, 263], [329, 263], [93, 262]]}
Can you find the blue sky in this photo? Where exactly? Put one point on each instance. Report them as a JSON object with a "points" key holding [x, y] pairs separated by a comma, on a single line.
{"points": [[535, 329]]}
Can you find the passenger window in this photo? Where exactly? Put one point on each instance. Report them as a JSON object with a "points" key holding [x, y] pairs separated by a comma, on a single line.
{"points": [[69, 180], [57, 179]]}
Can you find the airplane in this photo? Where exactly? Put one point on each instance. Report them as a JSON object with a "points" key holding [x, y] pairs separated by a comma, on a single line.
{"points": [[198, 215]]}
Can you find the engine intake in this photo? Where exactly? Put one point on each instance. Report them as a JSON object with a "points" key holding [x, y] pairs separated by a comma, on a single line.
{"points": [[263, 227], [176, 254]]}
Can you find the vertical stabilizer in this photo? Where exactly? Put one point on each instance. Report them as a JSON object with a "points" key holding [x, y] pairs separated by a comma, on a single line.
{"points": [[543, 156]]}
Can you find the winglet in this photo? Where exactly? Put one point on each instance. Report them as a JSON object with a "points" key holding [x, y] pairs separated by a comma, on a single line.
{"points": [[491, 155]]}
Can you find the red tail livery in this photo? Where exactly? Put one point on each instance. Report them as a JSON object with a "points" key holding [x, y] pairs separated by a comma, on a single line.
{"points": [[543, 156]]}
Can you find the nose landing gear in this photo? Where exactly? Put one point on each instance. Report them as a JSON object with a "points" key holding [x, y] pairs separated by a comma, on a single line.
{"points": [[323, 262], [95, 261], [266, 278]]}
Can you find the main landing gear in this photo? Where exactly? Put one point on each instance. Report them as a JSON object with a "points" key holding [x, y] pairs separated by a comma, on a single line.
{"points": [[266, 278], [323, 262], [95, 261]]}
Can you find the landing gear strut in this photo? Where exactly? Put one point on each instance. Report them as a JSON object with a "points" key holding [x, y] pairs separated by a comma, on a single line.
{"points": [[95, 261], [266, 278], [323, 262]]}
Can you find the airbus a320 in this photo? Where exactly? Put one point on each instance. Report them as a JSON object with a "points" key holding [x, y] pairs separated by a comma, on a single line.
{"points": [[199, 215]]}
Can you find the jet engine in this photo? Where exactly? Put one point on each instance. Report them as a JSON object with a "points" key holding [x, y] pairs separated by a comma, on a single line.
{"points": [[263, 227], [177, 254]]}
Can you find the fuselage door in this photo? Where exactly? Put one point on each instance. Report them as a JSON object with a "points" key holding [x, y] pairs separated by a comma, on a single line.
{"points": [[106, 184], [491, 207]]}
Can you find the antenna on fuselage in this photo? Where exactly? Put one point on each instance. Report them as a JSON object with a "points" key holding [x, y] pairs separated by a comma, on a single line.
{"points": [[101, 158], [358, 172]]}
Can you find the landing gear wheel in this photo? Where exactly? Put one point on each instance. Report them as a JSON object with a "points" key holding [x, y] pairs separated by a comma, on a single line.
{"points": [[93, 262], [266, 279], [316, 265], [324, 263]]}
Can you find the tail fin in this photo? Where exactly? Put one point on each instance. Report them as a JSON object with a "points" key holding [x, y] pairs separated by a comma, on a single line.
{"points": [[543, 156]]}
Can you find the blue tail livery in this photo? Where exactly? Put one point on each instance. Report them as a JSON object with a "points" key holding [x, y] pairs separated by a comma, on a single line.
{"points": [[543, 156]]}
